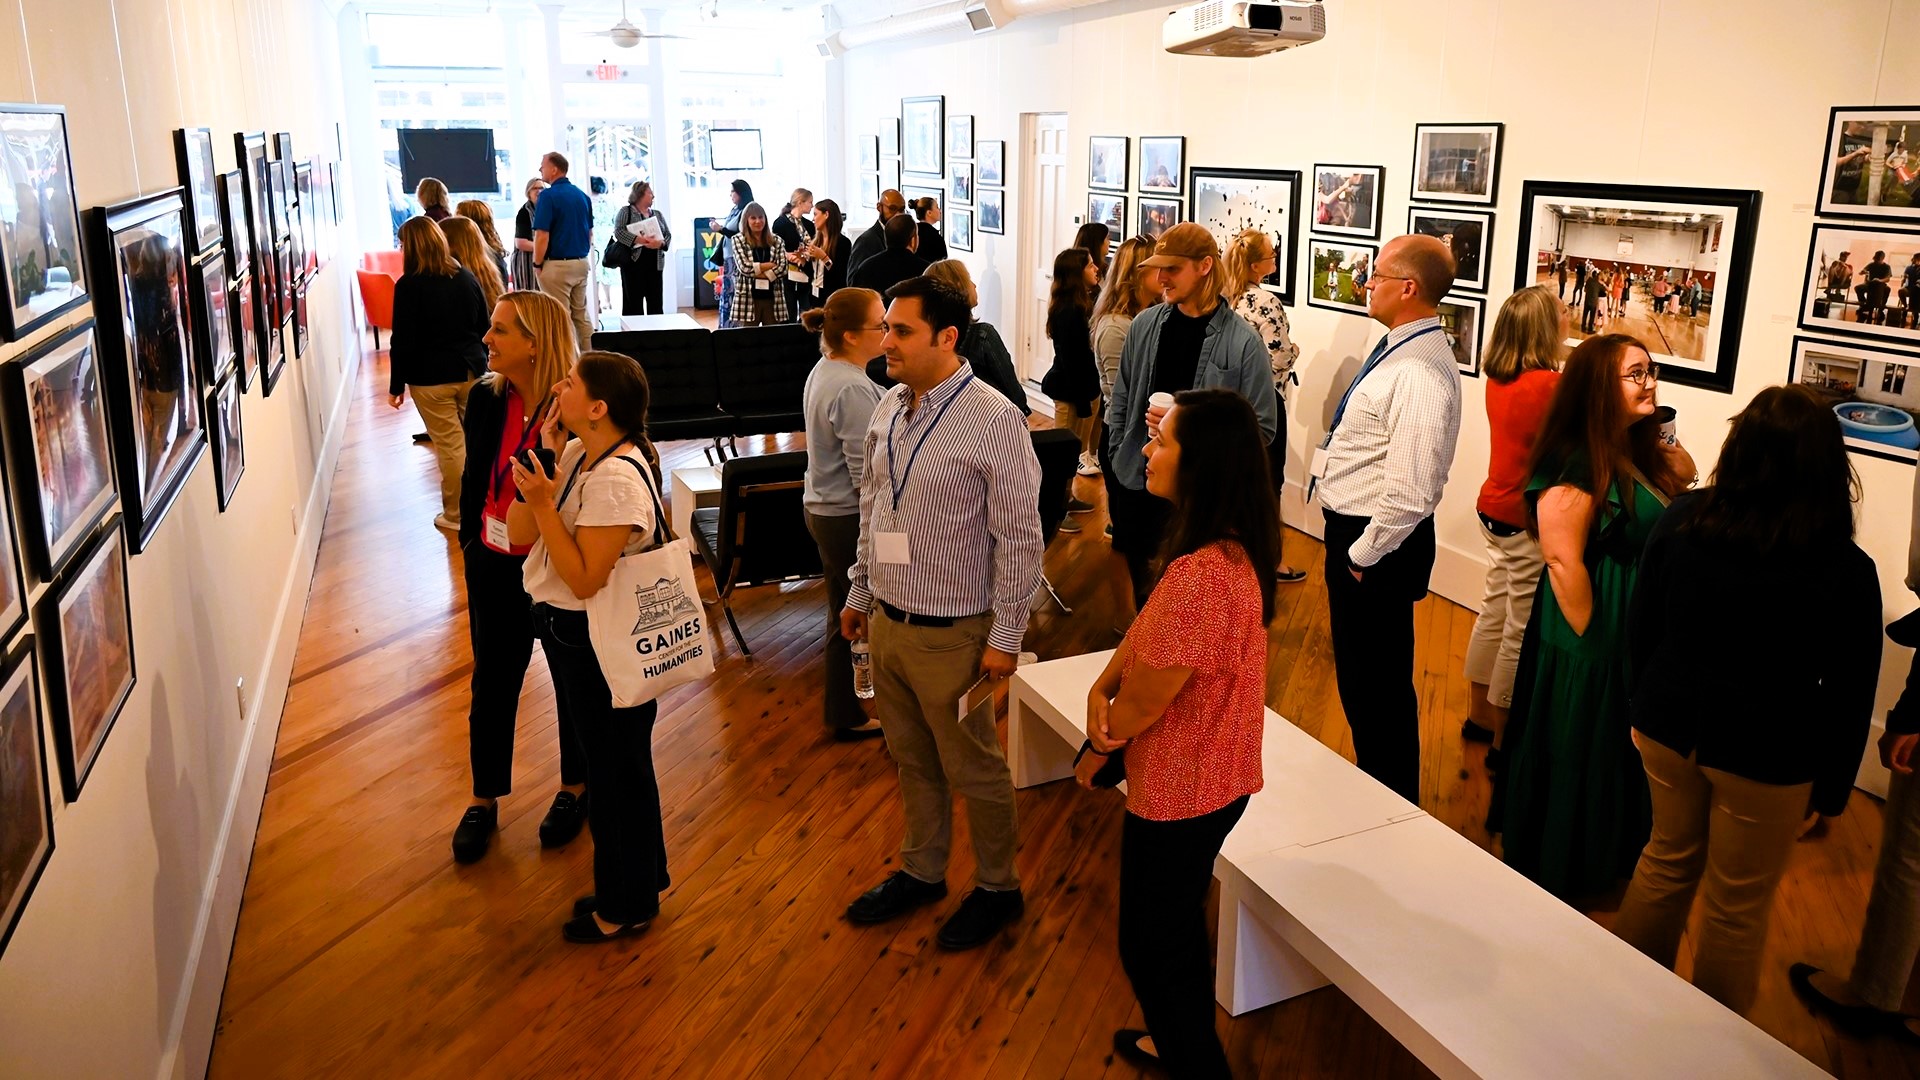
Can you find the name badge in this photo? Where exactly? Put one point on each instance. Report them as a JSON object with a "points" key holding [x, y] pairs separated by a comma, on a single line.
{"points": [[892, 547], [496, 533], [1317, 467], [761, 284], [798, 277]]}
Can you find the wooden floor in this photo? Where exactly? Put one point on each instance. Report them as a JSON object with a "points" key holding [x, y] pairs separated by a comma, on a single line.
{"points": [[363, 950]]}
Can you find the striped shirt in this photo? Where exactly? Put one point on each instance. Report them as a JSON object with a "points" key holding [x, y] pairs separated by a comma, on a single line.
{"points": [[968, 499], [1389, 457]]}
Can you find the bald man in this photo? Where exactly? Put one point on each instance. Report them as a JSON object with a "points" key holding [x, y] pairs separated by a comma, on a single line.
{"points": [[1379, 474], [872, 242]]}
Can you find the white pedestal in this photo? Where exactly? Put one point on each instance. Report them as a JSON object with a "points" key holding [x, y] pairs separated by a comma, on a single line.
{"points": [[695, 486]]}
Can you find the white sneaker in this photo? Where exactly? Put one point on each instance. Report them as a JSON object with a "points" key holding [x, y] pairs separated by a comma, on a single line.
{"points": [[442, 521], [1089, 465]]}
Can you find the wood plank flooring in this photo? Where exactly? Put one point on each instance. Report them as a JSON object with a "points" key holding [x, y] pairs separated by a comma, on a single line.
{"points": [[364, 950]]}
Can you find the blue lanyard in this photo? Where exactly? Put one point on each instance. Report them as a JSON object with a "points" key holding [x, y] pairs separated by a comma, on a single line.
{"points": [[1368, 370], [575, 475], [900, 485]]}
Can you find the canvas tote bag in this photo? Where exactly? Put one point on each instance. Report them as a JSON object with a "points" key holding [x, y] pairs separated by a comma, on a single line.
{"points": [[648, 627]]}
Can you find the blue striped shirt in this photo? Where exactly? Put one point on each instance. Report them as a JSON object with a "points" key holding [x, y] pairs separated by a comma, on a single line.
{"points": [[970, 506]]}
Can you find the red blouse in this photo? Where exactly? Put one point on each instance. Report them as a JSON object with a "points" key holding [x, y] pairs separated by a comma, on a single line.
{"points": [[1515, 411], [515, 436], [1204, 752]]}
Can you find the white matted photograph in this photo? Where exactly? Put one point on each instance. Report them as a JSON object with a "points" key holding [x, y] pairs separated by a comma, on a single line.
{"points": [[1461, 320], [1163, 159], [960, 138], [992, 209], [1346, 200], [1863, 281], [1107, 162], [960, 229], [1229, 201], [1337, 274], [1158, 215], [1871, 170], [1109, 210], [1456, 162], [1875, 392], [991, 163], [1468, 234]]}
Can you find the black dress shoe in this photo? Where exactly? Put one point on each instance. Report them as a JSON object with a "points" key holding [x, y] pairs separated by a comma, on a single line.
{"points": [[585, 905], [421, 438], [894, 897], [858, 734], [979, 917], [583, 930], [1856, 1019], [564, 819], [1126, 1043], [474, 833]]}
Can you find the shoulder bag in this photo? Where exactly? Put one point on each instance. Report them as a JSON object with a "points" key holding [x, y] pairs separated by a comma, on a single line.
{"points": [[649, 630]]}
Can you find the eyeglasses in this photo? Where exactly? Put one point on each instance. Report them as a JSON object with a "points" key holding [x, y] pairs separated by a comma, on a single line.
{"points": [[1643, 377], [1377, 278], [882, 326]]}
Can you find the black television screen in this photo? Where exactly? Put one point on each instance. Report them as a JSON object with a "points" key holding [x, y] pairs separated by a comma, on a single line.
{"points": [[461, 158]]}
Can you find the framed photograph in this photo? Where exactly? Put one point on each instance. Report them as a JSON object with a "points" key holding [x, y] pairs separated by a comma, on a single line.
{"points": [[960, 229], [85, 631], [301, 224], [992, 211], [233, 218], [731, 149], [938, 195], [13, 592], [960, 184], [1107, 161], [1863, 281], [26, 799], [960, 138], [1109, 210], [300, 335], [154, 397], [990, 163], [283, 351], [1163, 160], [42, 270], [283, 145], [1346, 200], [56, 423], [869, 150], [1871, 172], [250, 150], [869, 190], [1228, 201], [193, 147], [923, 125], [280, 200], [1456, 163], [229, 449], [212, 321], [1337, 272], [1159, 215], [1683, 257], [1874, 391], [889, 136], [246, 342], [1462, 320], [1467, 233], [890, 175]]}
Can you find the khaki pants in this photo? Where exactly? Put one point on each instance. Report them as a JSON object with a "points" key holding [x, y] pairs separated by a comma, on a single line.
{"points": [[919, 673], [566, 280], [441, 408], [1724, 831], [1514, 565]]}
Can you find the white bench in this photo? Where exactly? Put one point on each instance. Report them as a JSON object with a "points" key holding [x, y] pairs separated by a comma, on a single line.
{"points": [[1331, 877]]}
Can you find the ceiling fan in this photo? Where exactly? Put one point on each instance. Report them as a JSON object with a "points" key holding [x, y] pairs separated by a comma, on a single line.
{"points": [[626, 35]]}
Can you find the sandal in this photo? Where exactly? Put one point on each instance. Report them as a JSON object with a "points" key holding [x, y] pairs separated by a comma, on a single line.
{"points": [[1289, 576]]}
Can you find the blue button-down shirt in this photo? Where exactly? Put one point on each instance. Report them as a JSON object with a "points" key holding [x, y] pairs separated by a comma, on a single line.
{"points": [[565, 214]]}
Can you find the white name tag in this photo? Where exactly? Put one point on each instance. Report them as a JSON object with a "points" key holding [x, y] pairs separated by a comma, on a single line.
{"points": [[761, 284], [1317, 467], [496, 533], [892, 547], [798, 277]]}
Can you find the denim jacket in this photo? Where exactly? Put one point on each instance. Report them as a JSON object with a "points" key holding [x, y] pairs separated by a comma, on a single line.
{"points": [[1231, 356]]}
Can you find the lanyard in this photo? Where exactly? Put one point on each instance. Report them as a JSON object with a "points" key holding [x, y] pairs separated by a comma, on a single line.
{"points": [[575, 474], [527, 427], [900, 485], [1366, 370]]}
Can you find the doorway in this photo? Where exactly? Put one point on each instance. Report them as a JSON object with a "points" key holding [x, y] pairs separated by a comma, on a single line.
{"points": [[1048, 222]]}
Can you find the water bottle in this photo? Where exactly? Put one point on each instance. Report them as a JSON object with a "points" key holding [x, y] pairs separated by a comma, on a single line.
{"points": [[862, 670]]}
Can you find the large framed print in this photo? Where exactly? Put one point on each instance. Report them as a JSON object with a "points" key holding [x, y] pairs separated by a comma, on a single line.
{"points": [[1109, 210], [1468, 234], [1346, 200], [890, 136], [1159, 215], [1676, 237], [960, 229], [250, 149], [247, 341], [212, 322], [56, 424], [1107, 161], [26, 799], [154, 396], [193, 147], [1337, 272], [84, 627], [1463, 320], [1456, 163], [959, 138], [1874, 391], [923, 122], [229, 447], [960, 184], [42, 268], [233, 218], [1871, 170], [993, 211], [990, 163], [1228, 201], [1163, 161], [1863, 281]]}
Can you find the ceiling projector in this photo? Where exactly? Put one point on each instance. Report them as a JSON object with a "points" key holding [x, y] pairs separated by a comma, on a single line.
{"points": [[1243, 27]]}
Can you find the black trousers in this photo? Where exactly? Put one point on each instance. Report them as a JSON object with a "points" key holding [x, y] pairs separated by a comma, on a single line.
{"points": [[1165, 868], [640, 286], [500, 627], [1371, 621], [839, 541], [629, 838], [1590, 314]]}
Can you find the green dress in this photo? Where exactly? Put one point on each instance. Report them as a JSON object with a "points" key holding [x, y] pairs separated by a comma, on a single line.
{"points": [[1573, 803]]}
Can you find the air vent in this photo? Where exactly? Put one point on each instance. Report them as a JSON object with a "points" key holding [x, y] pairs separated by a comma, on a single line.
{"points": [[1318, 20], [1208, 16]]}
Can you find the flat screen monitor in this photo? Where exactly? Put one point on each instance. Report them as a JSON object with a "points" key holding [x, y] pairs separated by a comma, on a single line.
{"points": [[736, 149], [461, 158]]}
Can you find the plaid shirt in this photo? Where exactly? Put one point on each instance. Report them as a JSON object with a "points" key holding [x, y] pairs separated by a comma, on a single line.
{"points": [[740, 290]]}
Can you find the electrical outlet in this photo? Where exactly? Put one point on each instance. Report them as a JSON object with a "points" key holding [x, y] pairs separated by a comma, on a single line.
{"points": [[240, 695]]}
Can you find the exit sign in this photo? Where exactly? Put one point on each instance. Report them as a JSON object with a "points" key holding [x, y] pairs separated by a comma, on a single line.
{"points": [[607, 72]]}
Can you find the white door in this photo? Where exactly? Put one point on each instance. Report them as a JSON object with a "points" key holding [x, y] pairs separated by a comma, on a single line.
{"points": [[1048, 220]]}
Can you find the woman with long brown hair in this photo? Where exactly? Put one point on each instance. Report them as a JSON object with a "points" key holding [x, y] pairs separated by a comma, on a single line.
{"points": [[830, 253], [1073, 382], [756, 295], [1573, 796], [435, 351], [481, 215], [469, 248]]}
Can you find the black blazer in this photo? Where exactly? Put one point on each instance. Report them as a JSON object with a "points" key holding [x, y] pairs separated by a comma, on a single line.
{"points": [[887, 269], [933, 246], [437, 326], [485, 426], [836, 275]]}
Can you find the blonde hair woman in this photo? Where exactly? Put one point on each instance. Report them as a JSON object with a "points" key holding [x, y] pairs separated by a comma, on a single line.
{"points": [[467, 245], [1250, 257], [482, 216], [1522, 366], [435, 352], [433, 198], [530, 349]]}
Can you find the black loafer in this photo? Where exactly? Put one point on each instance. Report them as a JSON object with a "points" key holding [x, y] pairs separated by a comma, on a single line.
{"points": [[894, 897], [858, 734], [583, 930], [979, 917], [584, 905], [1855, 1019], [1126, 1043], [564, 819], [474, 833]]}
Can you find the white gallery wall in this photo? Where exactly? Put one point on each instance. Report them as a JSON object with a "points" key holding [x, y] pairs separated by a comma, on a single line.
{"points": [[116, 967], [1690, 93]]}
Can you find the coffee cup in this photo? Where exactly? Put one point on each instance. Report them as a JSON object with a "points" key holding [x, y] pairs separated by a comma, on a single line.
{"points": [[1158, 405], [1663, 415]]}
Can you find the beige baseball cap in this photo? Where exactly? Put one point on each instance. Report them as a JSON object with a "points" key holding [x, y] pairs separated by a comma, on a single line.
{"points": [[1187, 240]]}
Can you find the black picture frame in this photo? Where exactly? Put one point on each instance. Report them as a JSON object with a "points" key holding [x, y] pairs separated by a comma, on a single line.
{"points": [[1657, 207], [193, 151], [301, 336], [1109, 162], [1353, 186], [233, 221], [1327, 256], [212, 320], [990, 163], [923, 135], [1841, 372], [1229, 200], [991, 209], [1828, 200], [145, 316], [1468, 233], [248, 342], [1469, 179], [1861, 239], [26, 803], [1156, 216], [276, 361], [1110, 210], [13, 584], [868, 149], [300, 227], [36, 154], [938, 195], [60, 444], [1454, 309], [283, 145], [891, 175], [960, 137], [250, 150], [959, 229], [84, 622], [229, 442], [960, 183], [890, 136], [1154, 151]]}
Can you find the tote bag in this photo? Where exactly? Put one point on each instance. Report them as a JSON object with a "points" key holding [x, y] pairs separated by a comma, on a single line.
{"points": [[648, 627]]}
